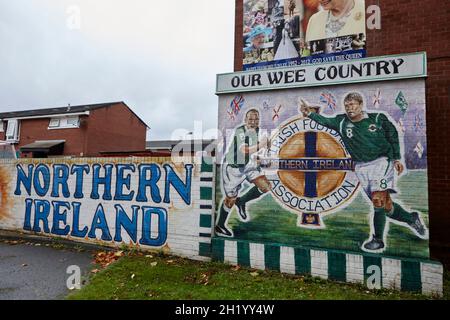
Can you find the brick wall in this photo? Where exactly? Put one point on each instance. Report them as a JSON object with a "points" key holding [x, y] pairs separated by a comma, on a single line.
{"points": [[114, 128], [32, 130], [2, 130], [412, 26]]}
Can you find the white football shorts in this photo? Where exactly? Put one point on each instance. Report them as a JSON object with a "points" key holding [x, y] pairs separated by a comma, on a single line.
{"points": [[377, 175], [232, 177]]}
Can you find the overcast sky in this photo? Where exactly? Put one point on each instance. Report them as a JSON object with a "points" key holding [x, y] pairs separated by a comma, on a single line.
{"points": [[160, 57]]}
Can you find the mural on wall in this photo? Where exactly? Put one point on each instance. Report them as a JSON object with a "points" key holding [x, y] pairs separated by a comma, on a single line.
{"points": [[340, 167], [112, 201], [292, 32]]}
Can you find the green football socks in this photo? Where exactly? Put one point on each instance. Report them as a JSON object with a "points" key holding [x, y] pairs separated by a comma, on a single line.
{"points": [[400, 214], [252, 194], [223, 215], [379, 222]]}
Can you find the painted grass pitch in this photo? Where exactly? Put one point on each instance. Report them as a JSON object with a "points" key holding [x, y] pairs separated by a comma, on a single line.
{"points": [[345, 230]]}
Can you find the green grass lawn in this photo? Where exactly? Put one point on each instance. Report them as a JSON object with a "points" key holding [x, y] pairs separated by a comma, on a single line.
{"points": [[159, 277]]}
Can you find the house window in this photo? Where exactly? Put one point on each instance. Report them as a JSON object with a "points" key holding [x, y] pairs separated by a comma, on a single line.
{"points": [[1, 126], [73, 122], [54, 123], [64, 123], [12, 131]]}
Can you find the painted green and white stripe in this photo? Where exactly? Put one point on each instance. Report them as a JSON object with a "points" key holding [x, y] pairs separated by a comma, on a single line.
{"points": [[287, 260], [205, 208], [354, 268], [396, 273], [319, 264], [432, 282], [392, 273]]}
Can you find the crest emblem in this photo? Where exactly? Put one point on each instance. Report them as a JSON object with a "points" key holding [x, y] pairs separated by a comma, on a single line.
{"points": [[310, 170]]}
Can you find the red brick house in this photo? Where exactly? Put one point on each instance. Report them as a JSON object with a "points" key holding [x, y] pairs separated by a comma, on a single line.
{"points": [[79, 131]]}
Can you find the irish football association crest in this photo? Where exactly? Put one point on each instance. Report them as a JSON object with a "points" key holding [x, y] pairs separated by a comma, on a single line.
{"points": [[310, 171]]}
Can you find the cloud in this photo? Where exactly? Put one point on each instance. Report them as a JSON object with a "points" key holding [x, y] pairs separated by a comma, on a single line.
{"points": [[160, 57]]}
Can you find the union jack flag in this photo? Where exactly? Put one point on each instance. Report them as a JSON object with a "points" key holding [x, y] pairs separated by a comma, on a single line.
{"points": [[328, 99], [237, 104], [418, 123]]}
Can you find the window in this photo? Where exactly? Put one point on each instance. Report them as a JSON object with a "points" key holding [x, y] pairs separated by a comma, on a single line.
{"points": [[73, 122], [12, 131], [54, 123], [64, 122], [1, 126]]}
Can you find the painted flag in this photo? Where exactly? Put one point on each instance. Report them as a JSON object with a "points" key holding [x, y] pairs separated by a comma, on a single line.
{"points": [[328, 99], [401, 125], [237, 104], [418, 123], [276, 113], [377, 99], [401, 102], [231, 115], [419, 150]]}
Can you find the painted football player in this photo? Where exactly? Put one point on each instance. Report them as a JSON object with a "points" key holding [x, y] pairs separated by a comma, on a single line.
{"points": [[239, 165], [373, 142]]}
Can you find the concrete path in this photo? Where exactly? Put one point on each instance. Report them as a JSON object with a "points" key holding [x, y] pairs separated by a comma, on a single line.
{"points": [[38, 272]]}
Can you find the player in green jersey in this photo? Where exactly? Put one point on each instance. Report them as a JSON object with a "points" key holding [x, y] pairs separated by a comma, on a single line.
{"points": [[239, 165], [373, 142]]}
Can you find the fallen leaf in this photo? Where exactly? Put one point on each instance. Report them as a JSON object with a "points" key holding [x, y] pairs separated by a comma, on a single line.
{"points": [[149, 256], [166, 249], [153, 264], [254, 274], [118, 254], [170, 261], [104, 259], [133, 276], [95, 271]]}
